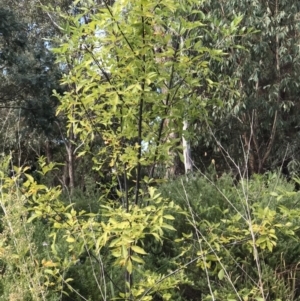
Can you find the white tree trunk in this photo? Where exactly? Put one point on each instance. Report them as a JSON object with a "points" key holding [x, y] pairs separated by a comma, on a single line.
{"points": [[188, 164]]}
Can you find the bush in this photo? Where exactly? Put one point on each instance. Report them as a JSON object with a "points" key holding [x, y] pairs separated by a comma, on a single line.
{"points": [[244, 235]]}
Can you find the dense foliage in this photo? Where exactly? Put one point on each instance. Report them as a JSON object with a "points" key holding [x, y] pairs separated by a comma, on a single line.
{"points": [[149, 150]]}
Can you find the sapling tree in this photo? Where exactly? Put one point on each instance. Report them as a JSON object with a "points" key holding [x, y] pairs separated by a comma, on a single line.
{"points": [[136, 72]]}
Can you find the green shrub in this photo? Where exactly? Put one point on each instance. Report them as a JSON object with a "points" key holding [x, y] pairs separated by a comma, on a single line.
{"points": [[245, 235]]}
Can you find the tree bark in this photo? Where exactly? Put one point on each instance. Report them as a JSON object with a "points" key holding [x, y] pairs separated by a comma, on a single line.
{"points": [[70, 151], [188, 164]]}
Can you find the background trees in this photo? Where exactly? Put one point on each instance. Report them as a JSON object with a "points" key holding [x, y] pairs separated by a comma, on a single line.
{"points": [[28, 76], [262, 121]]}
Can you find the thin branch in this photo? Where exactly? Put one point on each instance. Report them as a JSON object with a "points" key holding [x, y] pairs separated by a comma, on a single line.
{"points": [[140, 117], [119, 28], [272, 138], [59, 28]]}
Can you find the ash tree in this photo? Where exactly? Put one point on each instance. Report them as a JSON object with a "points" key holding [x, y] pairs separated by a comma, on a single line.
{"points": [[137, 75]]}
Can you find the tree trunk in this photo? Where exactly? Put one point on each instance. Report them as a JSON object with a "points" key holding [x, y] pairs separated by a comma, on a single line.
{"points": [[188, 164], [48, 151], [70, 151]]}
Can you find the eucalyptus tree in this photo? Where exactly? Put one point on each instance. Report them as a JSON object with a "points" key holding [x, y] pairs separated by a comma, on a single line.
{"points": [[31, 128], [28, 76], [259, 129]]}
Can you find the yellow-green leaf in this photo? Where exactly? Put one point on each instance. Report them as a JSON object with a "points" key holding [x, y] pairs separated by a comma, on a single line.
{"points": [[129, 266], [70, 239], [168, 216], [221, 274], [137, 259], [138, 250]]}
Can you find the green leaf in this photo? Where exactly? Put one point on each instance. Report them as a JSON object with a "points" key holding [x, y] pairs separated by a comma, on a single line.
{"points": [[57, 225], [168, 216], [138, 250], [169, 227], [129, 266], [221, 274], [31, 218], [70, 239], [137, 259]]}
